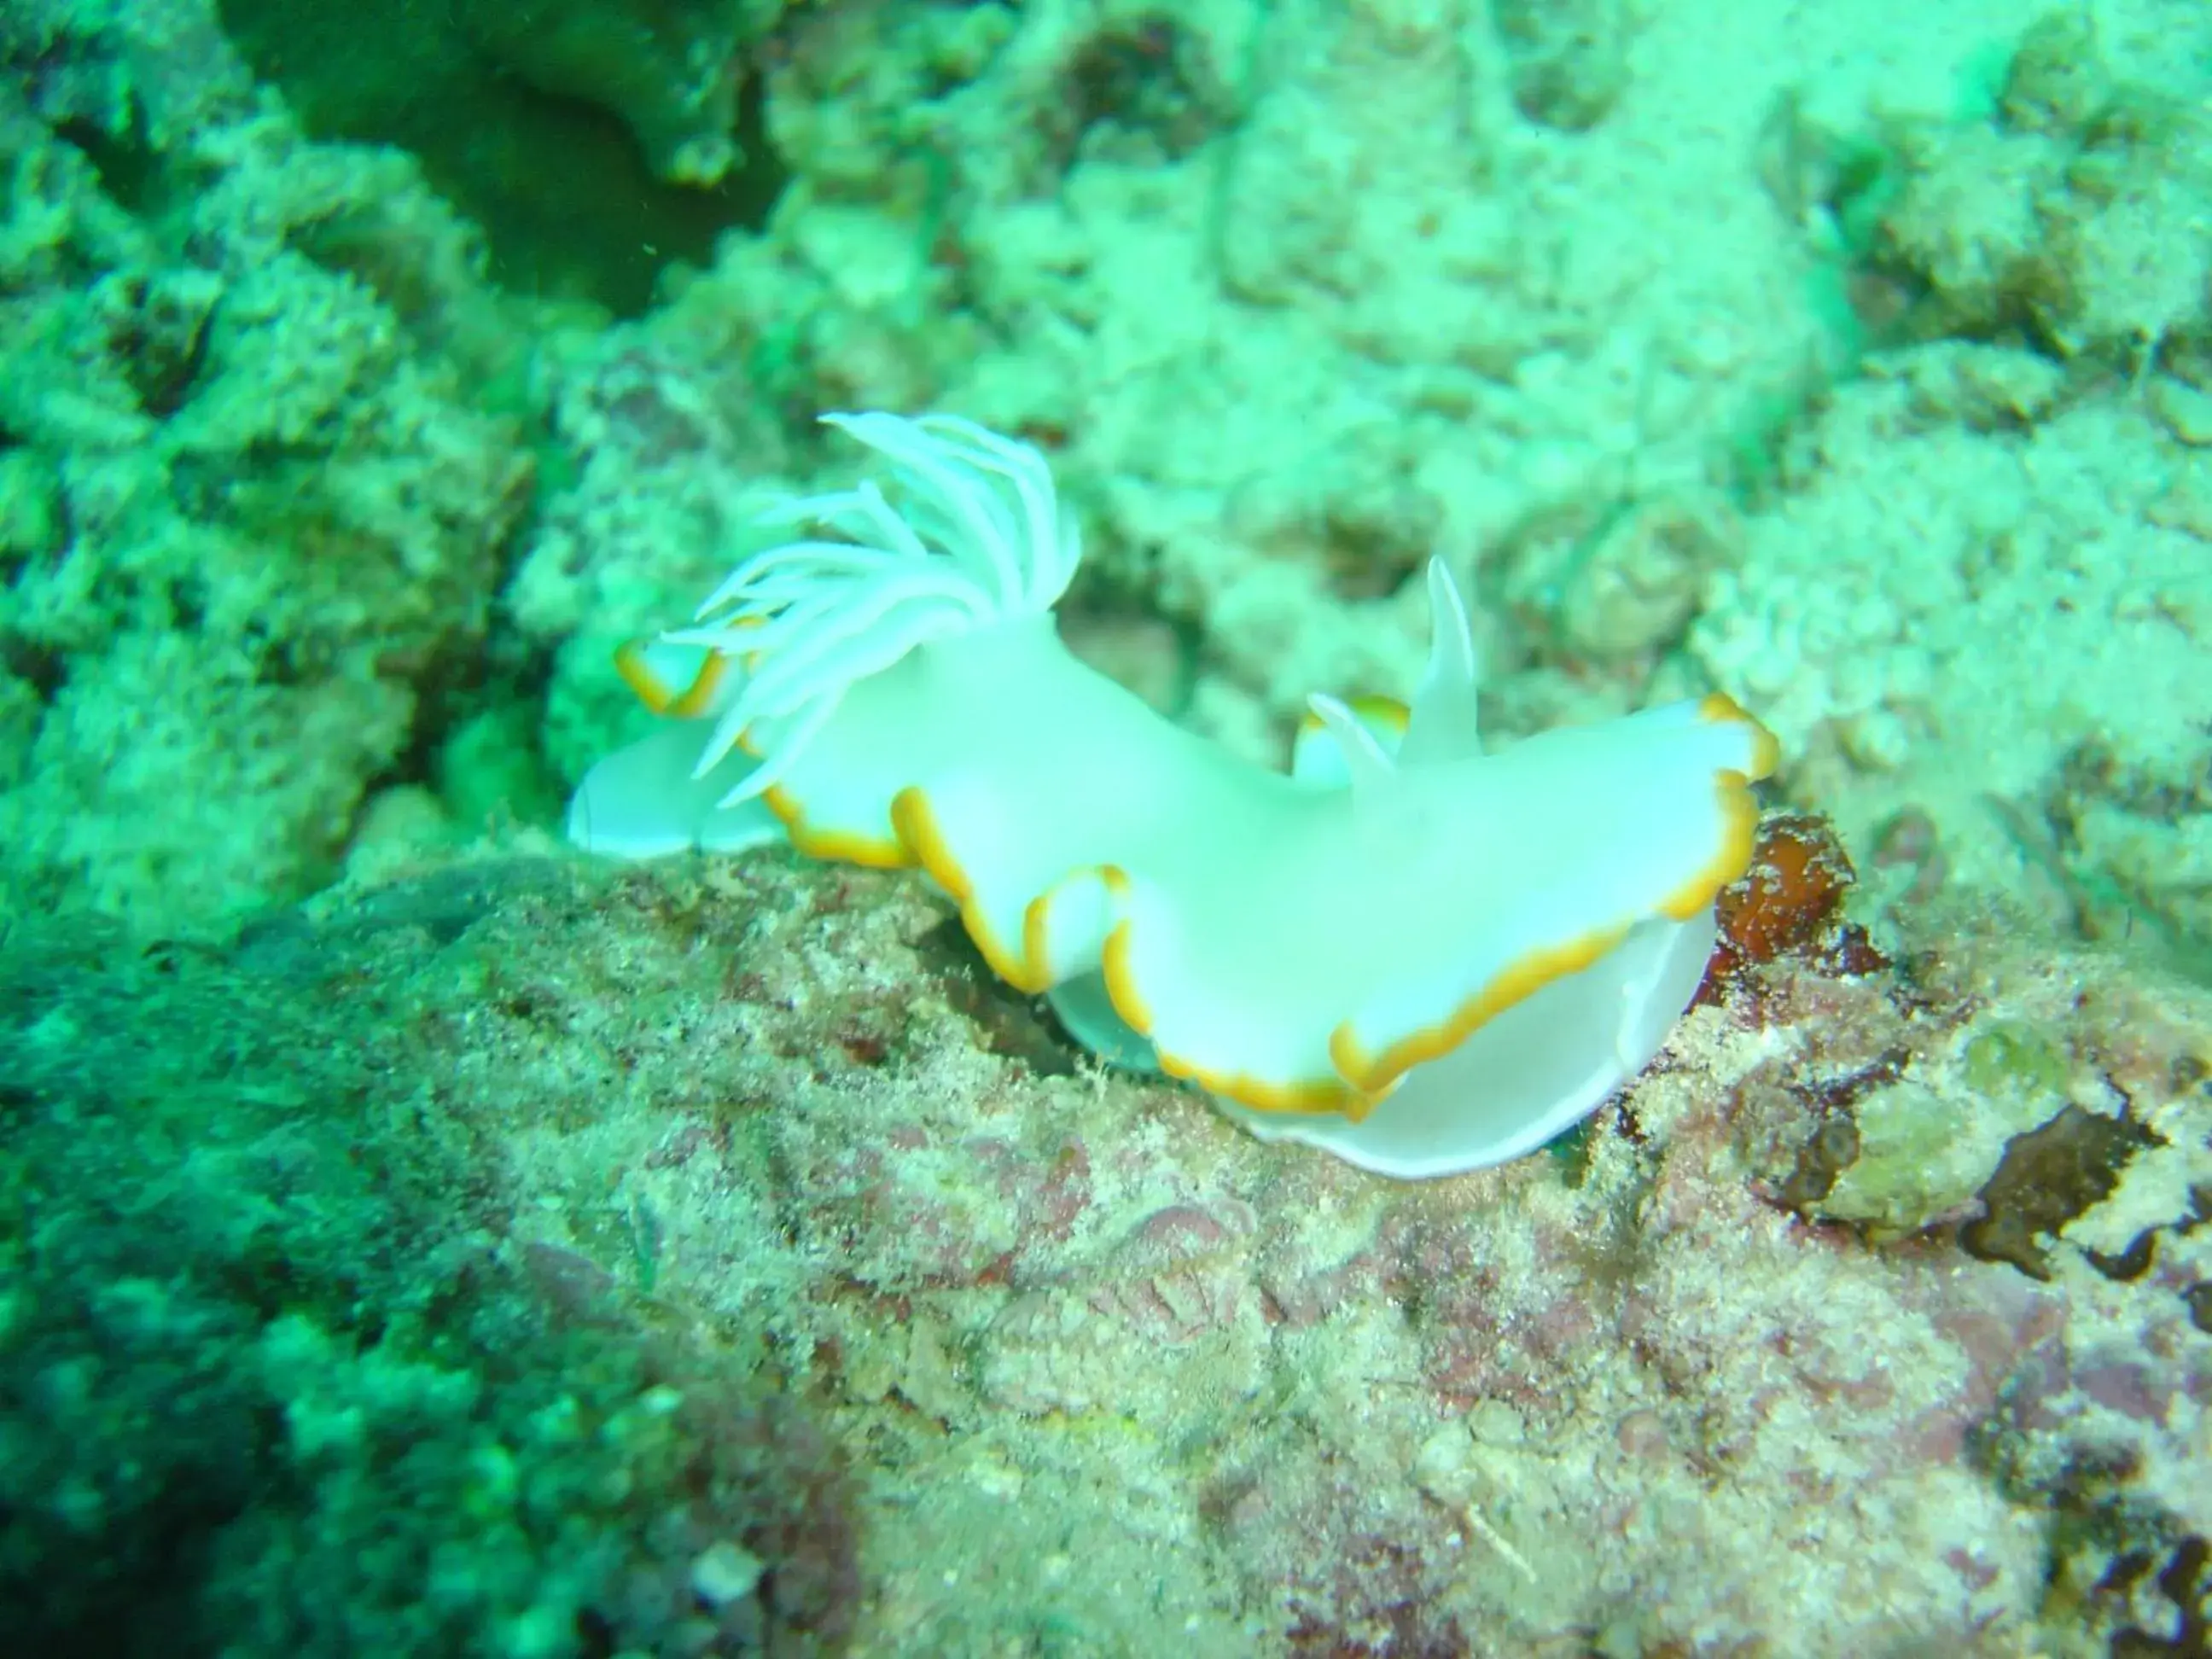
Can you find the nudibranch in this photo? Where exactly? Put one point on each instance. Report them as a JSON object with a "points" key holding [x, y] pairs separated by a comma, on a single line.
{"points": [[1416, 956]]}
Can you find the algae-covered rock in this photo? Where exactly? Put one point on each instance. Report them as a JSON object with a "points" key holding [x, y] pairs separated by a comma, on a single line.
{"points": [[281, 1375], [259, 487], [1925, 1148], [1920, 1158]]}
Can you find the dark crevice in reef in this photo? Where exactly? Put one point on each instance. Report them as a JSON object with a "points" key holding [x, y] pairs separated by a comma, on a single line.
{"points": [[567, 203]]}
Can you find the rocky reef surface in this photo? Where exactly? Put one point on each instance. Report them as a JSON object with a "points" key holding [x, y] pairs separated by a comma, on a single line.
{"points": [[522, 1256]]}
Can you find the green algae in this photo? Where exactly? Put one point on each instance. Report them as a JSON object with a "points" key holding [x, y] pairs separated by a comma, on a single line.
{"points": [[2013, 1059]]}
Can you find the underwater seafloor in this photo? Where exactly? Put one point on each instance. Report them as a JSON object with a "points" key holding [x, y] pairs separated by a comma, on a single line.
{"points": [[416, 1238]]}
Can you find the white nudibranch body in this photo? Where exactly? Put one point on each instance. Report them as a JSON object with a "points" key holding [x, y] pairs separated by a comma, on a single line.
{"points": [[1420, 957]]}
